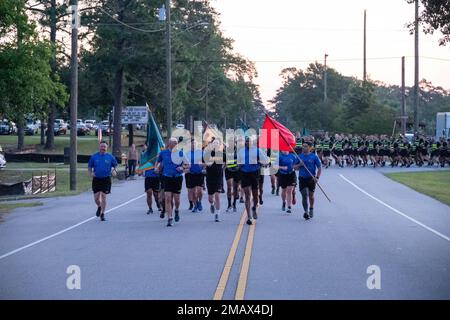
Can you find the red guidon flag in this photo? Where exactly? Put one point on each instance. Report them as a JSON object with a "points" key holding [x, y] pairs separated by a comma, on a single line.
{"points": [[268, 139]]}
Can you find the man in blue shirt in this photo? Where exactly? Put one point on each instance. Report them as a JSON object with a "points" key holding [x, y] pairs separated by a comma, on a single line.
{"points": [[249, 160], [152, 184], [308, 178], [195, 178], [170, 163], [100, 166], [286, 178]]}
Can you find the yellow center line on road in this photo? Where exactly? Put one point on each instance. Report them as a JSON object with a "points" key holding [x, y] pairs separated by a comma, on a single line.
{"points": [[242, 284], [220, 290]]}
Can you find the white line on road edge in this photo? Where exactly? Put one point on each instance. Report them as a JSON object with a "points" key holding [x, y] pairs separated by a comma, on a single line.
{"points": [[65, 230], [397, 211]]}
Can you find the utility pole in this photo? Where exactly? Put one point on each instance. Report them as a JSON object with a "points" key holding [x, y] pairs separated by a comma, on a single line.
{"points": [[403, 98], [325, 97], [416, 69], [74, 96], [169, 70], [206, 98], [365, 47]]}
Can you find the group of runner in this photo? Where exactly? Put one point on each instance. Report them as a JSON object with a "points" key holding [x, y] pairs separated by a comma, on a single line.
{"points": [[380, 150], [244, 167]]}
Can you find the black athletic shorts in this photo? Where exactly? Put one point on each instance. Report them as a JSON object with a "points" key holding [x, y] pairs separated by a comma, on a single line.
{"points": [[153, 183], [372, 152], [347, 152], [173, 184], [250, 179], [326, 153], [194, 180], [101, 185], [161, 182], [261, 180], [231, 174], [213, 185], [287, 180], [338, 153], [403, 152], [307, 183]]}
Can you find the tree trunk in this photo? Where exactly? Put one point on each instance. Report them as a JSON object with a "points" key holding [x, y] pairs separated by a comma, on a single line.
{"points": [[130, 135], [117, 122], [42, 132], [20, 134], [50, 144]]}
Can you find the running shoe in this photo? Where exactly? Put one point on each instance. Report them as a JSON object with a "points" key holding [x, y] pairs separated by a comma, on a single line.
{"points": [[306, 216], [177, 216], [99, 210], [255, 215], [150, 211]]}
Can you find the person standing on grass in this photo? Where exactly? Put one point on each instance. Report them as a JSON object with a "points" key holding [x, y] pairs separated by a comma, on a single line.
{"points": [[101, 166], [132, 160]]}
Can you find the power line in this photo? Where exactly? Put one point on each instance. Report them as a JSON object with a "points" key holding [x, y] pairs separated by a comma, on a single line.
{"points": [[309, 28], [308, 60], [128, 25]]}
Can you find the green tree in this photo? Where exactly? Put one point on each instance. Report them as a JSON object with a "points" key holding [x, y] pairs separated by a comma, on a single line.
{"points": [[435, 16], [24, 69]]}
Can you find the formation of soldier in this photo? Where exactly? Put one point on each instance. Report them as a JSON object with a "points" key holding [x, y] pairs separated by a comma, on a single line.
{"points": [[379, 151]]}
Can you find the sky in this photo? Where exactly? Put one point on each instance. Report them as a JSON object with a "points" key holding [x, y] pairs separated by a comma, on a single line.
{"points": [[293, 33]]}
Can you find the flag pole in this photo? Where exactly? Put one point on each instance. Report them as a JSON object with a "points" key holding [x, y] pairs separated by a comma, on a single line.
{"points": [[292, 149]]}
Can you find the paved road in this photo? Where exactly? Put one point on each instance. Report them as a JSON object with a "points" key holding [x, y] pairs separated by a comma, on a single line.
{"points": [[370, 221]]}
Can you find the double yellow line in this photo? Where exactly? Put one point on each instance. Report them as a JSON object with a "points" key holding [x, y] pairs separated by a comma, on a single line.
{"points": [[242, 283]]}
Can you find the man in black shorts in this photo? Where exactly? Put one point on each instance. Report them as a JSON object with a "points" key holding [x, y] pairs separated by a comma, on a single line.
{"points": [[308, 178], [101, 165], [213, 158], [195, 178], [170, 162], [232, 177], [249, 160]]}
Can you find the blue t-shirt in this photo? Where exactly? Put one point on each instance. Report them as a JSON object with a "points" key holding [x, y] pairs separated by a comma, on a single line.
{"points": [[247, 159], [102, 164], [171, 160], [311, 161], [151, 173], [195, 159], [287, 160]]}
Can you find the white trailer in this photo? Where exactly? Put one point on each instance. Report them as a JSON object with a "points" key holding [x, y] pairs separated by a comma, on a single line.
{"points": [[443, 125]]}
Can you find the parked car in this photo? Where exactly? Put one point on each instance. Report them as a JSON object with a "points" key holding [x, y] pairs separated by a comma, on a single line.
{"points": [[104, 126], [32, 127], [7, 127], [82, 129], [60, 127], [2, 159], [91, 124]]}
